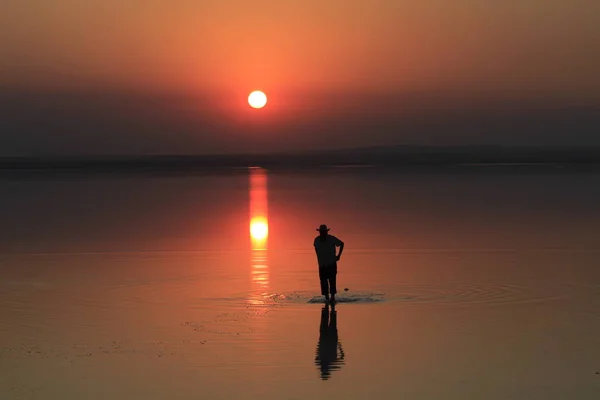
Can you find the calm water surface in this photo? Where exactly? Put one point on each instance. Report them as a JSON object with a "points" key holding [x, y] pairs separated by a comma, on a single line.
{"points": [[473, 285]]}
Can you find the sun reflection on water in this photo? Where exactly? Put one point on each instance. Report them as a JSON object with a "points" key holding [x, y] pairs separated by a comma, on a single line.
{"points": [[259, 235]]}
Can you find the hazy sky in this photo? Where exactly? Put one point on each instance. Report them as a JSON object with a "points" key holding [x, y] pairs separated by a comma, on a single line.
{"points": [[156, 76]]}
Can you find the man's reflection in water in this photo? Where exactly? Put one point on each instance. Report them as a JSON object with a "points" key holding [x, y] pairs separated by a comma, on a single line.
{"points": [[328, 359]]}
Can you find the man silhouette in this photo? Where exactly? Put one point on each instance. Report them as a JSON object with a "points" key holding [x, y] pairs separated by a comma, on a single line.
{"points": [[325, 247], [327, 358]]}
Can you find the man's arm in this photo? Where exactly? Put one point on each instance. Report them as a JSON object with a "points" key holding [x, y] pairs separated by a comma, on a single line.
{"points": [[316, 252], [341, 244]]}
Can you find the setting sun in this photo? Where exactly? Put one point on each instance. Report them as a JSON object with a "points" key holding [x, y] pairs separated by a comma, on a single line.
{"points": [[257, 99]]}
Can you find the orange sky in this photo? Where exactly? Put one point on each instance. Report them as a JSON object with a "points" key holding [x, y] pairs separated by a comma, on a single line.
{"points": [[356, 45], [359, 68]]}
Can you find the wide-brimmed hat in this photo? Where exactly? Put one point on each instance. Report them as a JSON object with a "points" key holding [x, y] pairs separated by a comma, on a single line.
{"points": [[323, 228]]}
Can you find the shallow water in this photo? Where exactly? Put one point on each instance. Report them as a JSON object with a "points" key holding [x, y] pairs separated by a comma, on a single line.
{"points": [[472, 285]]}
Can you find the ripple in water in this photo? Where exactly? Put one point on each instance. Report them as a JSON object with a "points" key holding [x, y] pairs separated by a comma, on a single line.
{"points": [[473, 294], [451, 294], [309, 297]]}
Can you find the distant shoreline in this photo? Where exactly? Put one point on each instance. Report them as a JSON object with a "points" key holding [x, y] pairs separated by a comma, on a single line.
{"points": [[396, 157]]}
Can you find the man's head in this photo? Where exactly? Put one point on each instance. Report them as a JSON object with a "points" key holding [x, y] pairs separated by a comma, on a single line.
{"points": [[323, 230]]}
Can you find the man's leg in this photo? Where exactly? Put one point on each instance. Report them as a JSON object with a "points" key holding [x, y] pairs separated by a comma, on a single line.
{"points": [[332, 280], [324, 284]]}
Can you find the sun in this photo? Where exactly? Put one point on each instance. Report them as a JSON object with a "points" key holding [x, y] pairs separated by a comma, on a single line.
{"points": [[257, 99]]}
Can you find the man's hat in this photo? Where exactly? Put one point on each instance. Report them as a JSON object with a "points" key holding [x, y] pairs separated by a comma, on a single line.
{"points": [[323, 228]]}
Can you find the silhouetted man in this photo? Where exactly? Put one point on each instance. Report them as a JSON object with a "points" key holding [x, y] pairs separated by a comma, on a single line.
{"points": [[327, 358], [325, 247]]}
